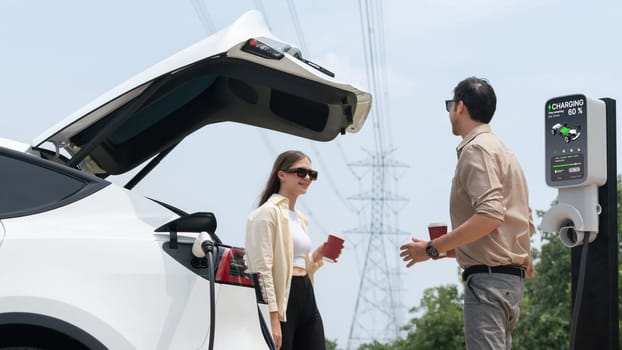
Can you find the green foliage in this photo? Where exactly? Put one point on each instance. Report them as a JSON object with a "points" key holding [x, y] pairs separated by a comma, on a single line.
{"points": [[378, 346], [331, 344], [438, 327]]}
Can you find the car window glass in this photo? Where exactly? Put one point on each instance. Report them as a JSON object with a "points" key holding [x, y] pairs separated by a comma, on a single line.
{"points": [[27, 186], [161, 108]]}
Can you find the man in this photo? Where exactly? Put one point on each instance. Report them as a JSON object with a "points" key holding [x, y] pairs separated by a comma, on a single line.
{"points": [[491, 221]]}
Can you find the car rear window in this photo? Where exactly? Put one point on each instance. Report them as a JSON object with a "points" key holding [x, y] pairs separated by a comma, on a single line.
{"points": [[30, 185], [163, 107]]}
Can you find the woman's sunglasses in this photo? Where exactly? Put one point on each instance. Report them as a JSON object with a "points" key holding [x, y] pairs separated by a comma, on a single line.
{"points": [[303, 172]]}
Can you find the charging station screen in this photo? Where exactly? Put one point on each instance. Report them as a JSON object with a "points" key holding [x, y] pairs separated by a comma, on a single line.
{"points": [[566, 140]]}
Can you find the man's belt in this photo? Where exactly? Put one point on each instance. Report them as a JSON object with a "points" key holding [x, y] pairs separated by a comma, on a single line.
{"points": [[506, 269]]}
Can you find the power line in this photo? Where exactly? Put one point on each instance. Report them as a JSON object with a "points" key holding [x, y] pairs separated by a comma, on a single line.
{"points": [[377, 314], [297, 27], [204, 17], [383, 70], [299, 34], [261, 8], [379, 284]]}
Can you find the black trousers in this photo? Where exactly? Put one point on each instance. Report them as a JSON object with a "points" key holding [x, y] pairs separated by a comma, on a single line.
{"points": [[304, 329]]}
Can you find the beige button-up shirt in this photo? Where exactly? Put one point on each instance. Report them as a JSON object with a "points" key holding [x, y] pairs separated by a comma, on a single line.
{"points": [[270, 250], [489, 181]]}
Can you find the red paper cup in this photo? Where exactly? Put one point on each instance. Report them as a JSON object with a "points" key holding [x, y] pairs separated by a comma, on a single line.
{"points": [[333, 247], [437, 229]]}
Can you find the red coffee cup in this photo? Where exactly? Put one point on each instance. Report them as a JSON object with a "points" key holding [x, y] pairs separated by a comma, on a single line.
{"points": [[437, 229], [333, 247]]}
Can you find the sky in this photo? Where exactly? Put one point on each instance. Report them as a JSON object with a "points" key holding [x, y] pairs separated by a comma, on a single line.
{"points": [[58, 56]]}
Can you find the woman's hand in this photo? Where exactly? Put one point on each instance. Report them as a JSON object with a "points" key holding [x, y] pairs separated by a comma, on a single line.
{"points": [[275, 324], [318, 254]]}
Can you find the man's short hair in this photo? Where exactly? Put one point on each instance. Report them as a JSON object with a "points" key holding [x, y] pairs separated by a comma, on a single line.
{"points": [[479, 98]]}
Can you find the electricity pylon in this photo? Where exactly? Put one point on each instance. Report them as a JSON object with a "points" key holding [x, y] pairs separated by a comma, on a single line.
{"points": [[378, 311]]}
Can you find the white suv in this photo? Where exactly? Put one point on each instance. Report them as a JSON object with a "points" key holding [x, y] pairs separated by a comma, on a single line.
{"points": [[85, 263]]}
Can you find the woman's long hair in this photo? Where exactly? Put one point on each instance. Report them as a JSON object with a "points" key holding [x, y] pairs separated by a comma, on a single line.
{"points": [[283, 162]]}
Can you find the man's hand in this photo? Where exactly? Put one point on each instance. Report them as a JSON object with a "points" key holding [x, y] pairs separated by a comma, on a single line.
{"points": [[414, 252]]}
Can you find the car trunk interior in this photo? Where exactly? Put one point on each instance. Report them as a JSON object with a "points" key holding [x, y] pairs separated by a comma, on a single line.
{"points": [[214, 90]]}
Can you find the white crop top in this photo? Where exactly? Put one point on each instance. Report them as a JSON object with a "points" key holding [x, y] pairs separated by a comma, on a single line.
{"points": [[302, 241]]}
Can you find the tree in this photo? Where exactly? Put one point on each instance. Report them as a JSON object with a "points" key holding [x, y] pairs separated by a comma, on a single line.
{"points": [[439, 326], [331, 344]]}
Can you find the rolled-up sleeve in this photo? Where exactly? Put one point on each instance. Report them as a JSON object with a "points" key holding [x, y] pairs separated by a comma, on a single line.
{"points": [[313, 266], [260, 235]]}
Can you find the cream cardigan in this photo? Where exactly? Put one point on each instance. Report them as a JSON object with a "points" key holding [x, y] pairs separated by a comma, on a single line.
{"points": [[270, 250]]}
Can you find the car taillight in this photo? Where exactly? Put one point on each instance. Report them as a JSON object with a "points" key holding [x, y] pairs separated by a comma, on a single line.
{"points": [[232, 268]]}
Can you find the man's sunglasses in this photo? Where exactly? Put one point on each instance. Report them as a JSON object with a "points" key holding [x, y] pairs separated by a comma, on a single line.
{"points": [[448, 104], [303, 172]]}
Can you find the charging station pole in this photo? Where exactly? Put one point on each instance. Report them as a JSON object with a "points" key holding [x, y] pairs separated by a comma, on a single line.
{"points": [[598, 321]]}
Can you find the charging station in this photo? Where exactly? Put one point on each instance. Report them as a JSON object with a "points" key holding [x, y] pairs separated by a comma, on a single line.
{"points": [[580, 161], [576, 163]]}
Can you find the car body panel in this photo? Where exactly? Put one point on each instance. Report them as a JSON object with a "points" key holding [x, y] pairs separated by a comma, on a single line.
{"points": [[246, 334], [99, 276], [116, 277], [213, 81], [14, 145]]}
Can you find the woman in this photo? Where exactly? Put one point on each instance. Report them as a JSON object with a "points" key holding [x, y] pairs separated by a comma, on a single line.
{"points": [[279, 248]]}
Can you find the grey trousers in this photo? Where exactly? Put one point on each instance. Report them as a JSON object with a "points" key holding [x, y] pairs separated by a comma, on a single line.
{"points": [[491, 310]]}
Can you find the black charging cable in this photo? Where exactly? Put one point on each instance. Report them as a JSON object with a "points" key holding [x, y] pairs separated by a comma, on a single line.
{"points": [[203, 248], [208, 248], [579, 295]]}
